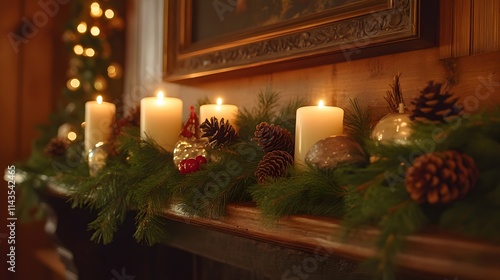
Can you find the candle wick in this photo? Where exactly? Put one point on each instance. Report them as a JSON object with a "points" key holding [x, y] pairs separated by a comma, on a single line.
{"points": [[401, 108]]}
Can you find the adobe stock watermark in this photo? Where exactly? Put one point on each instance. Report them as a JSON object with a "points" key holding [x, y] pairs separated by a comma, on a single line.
{"points": [[309, 265], [121, 275], [30, 27], [482, 92], [223, 6]]}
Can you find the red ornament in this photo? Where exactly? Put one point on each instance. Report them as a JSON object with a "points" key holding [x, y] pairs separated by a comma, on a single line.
{"points": [[201, 159], [190, 152]]}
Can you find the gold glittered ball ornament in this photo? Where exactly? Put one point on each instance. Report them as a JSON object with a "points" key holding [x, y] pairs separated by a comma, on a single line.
{"points": [[333, 151], [394, 128]]}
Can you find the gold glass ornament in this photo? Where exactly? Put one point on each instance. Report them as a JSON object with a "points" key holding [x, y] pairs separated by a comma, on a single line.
{"points": [[393, 128], [97, 158]]}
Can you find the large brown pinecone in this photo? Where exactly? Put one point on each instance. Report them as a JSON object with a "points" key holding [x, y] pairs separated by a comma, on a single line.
{"points": [[273, 165], [274, 138], [57, 146], [441, 177], [219, 133], [434, 106]]}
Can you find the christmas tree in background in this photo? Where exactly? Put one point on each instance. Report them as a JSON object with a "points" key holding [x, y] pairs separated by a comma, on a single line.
{"points": [[94, 39]]}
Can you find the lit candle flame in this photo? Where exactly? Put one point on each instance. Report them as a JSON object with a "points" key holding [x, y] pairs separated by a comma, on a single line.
{"points": [[71, 136], [99, 99], [219, 103], [321, 104], [161, 96]]}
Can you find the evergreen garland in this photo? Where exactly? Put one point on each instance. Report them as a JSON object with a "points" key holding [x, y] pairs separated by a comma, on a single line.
{"points": [[358, 122], [208, 191], [268, 110], [143, 178], [377, 195], [304, 192]]}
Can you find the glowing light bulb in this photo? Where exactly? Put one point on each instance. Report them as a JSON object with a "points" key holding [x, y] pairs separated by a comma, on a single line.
{"points": [[100, 84], [78, 49], [71, 136], [109, 14], [73, 84], [95, 31], [95, 10], [321, 104], [114, 71], [89, 52], [82, 27], [111, 70], [99, 99]]}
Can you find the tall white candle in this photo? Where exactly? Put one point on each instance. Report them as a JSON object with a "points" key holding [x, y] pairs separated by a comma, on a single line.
{"points": [[219, 110], [99, 116], [314, 123], [161, 120]]}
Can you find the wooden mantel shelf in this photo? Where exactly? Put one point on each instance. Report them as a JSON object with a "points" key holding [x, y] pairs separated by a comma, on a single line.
{"points": [[435, 253]]}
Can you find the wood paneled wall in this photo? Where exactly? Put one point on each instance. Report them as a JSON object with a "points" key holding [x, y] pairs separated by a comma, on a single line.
{"points": [[31, 78], [469, 27], [467, 58]]}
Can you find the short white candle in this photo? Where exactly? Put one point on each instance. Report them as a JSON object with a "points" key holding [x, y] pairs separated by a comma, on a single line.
{"points": [[219, 110], [314, 123], [99, 117], [161, 120]]}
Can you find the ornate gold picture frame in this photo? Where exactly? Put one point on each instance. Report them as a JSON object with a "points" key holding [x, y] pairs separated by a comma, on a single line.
{"points": [[204, 38]]}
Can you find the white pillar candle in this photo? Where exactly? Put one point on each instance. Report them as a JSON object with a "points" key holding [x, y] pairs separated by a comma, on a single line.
{"points": [[99, 117], [219, 110], [161, 120], [314, 123]]}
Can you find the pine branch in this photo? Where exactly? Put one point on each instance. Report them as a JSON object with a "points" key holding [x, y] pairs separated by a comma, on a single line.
{"points": [[305, 192], [150, 227], [208, 191], [287, 114], [264, 111], [394, 96], [357, 122]]}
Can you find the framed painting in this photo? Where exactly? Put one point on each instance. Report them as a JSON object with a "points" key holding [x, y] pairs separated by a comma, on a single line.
{"points": [[233, 37]]}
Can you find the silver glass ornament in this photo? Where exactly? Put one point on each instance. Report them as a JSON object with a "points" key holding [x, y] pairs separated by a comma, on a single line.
{"points": [[333, 151], [97, 158], [394, 128], [190, 148]]}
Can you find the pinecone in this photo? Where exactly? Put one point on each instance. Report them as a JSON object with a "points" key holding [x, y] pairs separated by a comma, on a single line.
{"points": [[441, 177], [57, 146], [273, 165], [434, 106], [218, 133], [274, 138]]}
